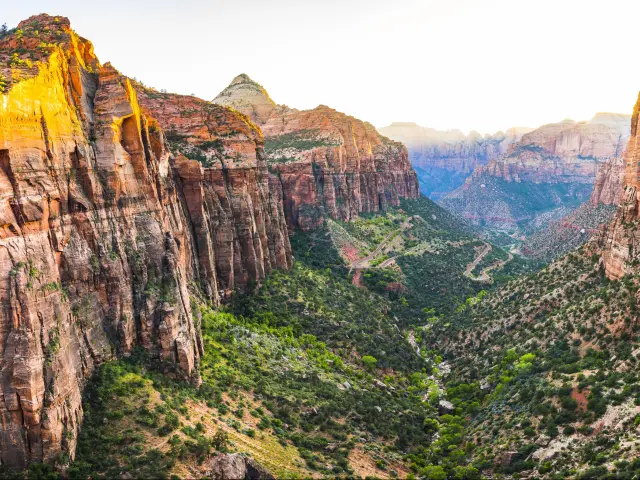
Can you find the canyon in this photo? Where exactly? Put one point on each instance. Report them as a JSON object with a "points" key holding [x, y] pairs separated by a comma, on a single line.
{"points": [[443, 160]]}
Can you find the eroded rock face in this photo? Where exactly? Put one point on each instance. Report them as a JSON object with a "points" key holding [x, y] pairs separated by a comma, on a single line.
{"points": [[548, 171], [235, 205], [619, 243], [331, 164], [609, 182], [566, 152], [103, 230]]}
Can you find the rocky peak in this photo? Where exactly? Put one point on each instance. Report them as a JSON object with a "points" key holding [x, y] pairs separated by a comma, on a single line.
{"points": [[329, 163], [248, 97]]}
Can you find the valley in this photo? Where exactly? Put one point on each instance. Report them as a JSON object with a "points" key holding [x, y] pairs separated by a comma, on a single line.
{"points": [[237, 288]]}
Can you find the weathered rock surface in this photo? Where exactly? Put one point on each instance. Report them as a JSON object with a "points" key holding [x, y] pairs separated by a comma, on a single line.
{"points": [[609, 182], [331, 164], [237, 467], [235, 205], [444, 159], [619, 243], [103, 230], [566, 152]]}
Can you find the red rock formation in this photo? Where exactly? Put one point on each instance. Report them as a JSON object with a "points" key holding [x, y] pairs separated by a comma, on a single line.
{"points": [[329, 164], [608, 183], [619, 243], [102, 230], [235, 205], [333, 164]]}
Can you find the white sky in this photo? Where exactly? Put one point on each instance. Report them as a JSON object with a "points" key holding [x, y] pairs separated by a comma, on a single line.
{"points": [[468, 64]]}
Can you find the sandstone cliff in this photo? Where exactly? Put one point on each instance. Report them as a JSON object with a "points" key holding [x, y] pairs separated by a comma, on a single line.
{"points": [[566, 152], [609, 181], [329, 164], [103, 229], [619, 243]]}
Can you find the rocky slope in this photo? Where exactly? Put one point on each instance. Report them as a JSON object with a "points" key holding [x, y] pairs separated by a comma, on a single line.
{"points": [[329, 164], [104, 229], [444, 159], [549, 169], [565, 234]]}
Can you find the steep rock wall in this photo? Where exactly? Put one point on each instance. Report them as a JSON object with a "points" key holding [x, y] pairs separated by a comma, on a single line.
{"points": [[102, 231], [331, 164], [619, 242]]}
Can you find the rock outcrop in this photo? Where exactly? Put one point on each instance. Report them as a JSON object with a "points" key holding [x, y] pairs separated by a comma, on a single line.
{"points": [[609, 182], [329, 164], [619, 243], [444, 159], [103, 228], [237, 467]]}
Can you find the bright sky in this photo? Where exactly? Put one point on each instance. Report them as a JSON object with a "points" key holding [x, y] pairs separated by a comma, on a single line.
{"points": [[468, 64]]}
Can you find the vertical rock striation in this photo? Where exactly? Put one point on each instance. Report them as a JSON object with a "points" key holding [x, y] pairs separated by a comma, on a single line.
{"points": [[102, 229]]}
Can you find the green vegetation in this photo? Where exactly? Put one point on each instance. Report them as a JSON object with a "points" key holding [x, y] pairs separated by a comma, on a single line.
{"points": [[299, 140]]}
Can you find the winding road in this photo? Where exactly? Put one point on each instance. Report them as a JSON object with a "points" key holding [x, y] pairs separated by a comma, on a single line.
{"points": [[484, 274]]}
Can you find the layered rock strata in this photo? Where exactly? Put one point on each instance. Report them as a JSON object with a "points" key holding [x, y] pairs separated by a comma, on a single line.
{"points": [[329, 164], [103, 230]]}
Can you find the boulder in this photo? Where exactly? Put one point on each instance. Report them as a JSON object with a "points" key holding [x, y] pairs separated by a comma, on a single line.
{"points": [[235, 466]]}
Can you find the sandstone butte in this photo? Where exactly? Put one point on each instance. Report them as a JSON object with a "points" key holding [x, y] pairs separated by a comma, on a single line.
{"points": [[329, 163], [117, 201], [619, 242]]}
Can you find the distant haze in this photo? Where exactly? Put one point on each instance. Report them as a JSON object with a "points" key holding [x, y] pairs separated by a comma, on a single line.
{"points": [[465, 64]]}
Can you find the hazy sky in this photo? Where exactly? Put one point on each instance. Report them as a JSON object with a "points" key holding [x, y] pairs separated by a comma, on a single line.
{"points": [[469, 64]]}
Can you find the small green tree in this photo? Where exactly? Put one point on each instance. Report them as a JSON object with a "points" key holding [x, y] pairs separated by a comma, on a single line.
{"points": [[220, 440], [3, 84], [369, 362]]}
